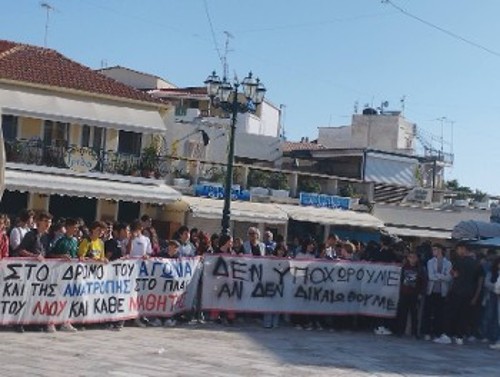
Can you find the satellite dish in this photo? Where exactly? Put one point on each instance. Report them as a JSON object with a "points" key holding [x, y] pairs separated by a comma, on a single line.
{"points": [[385, 104]]}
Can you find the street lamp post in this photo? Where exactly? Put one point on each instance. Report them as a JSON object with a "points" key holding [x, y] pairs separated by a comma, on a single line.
{"points": [[225, 96]]}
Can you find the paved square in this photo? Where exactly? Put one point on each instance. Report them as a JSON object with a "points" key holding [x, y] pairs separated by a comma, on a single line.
{"points": [[243, 350]]}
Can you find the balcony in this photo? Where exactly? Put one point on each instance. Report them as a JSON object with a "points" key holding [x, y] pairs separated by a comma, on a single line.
{"points": [[35, 152], [288, 184]]}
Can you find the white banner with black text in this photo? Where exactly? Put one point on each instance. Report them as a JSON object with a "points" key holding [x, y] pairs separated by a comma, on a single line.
{"points": [[246, 284], [55, 291]]}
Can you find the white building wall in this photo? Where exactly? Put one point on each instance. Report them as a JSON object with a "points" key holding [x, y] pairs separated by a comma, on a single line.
{"points": [[136, 79], [386, 132], [335, 137], [270, 118]]}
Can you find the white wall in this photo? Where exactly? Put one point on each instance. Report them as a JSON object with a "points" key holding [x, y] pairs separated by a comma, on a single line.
{"points": [[387, 132], [335, 137], [270, 117], [247, 145], [135, 79]]}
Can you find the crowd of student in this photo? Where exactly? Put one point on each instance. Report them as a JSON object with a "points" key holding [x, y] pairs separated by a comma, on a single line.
{"points": [[445, 294]]}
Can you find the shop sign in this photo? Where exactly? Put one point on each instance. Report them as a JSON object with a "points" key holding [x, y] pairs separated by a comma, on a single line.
{"points": [[322, 200], [216, 191]]}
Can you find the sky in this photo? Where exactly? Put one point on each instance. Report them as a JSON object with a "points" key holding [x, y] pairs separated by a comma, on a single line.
{"points": [[317, 58]]}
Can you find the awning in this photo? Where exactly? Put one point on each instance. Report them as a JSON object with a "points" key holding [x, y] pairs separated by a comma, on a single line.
{"points": [[144, 190], [124, 117], [415, 232], [329, 216], [240, 211]]}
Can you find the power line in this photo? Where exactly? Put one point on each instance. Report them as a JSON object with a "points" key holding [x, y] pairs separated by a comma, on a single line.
{"points": [[212, 32], [445, 31]]}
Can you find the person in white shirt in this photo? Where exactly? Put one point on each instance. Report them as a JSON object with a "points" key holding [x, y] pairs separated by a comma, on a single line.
{"points": [[139, 246], [24, 225]]}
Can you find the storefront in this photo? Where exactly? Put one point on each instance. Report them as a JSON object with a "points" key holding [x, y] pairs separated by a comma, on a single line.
{"points": [[91, 196], [206, 214], [320, 222]]}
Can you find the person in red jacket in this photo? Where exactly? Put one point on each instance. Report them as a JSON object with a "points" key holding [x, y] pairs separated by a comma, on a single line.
{"points": [[4, 239]]}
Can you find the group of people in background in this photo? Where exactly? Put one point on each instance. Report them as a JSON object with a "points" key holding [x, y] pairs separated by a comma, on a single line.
{"points": [[445, 296]]}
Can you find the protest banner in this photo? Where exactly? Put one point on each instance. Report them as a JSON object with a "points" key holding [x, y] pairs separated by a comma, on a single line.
{"points": [[55, 291], [250, 284]]}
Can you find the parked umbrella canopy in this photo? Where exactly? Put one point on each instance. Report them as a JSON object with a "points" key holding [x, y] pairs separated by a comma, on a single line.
{"points": [[493, 243], [475, 230]]}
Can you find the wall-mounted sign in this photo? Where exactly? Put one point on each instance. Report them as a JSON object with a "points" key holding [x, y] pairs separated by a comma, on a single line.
{"points": [[321, 200], [216, 191], [81, 159]]}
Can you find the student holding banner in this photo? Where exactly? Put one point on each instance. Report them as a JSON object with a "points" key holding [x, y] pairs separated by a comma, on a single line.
{"points": [[35, 243], [24, 224], [67, 245], [93, 247], [225, 248]]}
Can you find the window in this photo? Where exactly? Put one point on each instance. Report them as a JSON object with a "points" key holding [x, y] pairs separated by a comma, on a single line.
{"points": [[9, 127], [55, 133], [129, 143], [99, 139], [85, 136], [93, 137]]}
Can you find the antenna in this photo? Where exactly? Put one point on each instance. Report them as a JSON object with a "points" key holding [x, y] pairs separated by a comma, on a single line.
{"points": [[49, 8], [356, 104], [225, 67], [282, 120], [383, 105], [403, 103]]}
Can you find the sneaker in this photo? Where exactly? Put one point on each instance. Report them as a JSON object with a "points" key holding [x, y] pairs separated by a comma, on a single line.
{"points": [[381, 330], [138, 323], [68, 327], [201, 321], [443, 339], [51, 328], [156, 322], [427, 337], [170, 323], [495, 346], [459, 341], [116, 328]]}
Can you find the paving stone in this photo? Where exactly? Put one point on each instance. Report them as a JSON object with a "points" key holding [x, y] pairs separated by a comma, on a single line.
{"points": [[243, 350]]}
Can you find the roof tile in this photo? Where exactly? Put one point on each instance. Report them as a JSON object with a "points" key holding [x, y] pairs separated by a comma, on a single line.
{"points": [[42, 66]]}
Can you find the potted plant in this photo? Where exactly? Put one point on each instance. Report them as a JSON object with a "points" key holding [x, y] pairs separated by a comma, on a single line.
{"points": [[149, 161], [278, 182], [258, 181], [309, 184], [181, 178]]}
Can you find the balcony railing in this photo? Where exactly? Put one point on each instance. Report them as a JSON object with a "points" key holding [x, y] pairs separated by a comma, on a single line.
{"points": [[165, 167], [35, 152]]}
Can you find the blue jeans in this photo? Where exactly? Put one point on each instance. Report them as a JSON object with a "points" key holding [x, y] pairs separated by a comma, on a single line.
{"points": [[271, 320], [490, 322]]}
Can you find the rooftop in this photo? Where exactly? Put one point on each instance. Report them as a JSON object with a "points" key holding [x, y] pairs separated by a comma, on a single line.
{"points": [[47, 67], [291, 146]]}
